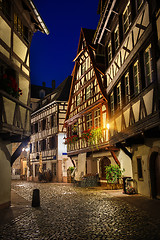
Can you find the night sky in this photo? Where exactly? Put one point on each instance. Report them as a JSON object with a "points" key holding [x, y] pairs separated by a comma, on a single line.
{"points": [[52, 55]]}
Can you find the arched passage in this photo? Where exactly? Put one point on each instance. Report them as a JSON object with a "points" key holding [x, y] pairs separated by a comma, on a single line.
{"points": [[155, 174]]}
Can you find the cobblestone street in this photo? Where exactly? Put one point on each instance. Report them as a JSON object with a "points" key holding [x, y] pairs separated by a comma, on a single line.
{"points": [[67, 212]]}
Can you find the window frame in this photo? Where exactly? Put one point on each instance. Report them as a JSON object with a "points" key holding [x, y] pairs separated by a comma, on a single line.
{"points": [[150, 63], [116, 37], [97, 118], [112, 103], [126, 21], [119, 95], [109, 51], [89, 121], [136, 85], [127, 87]]}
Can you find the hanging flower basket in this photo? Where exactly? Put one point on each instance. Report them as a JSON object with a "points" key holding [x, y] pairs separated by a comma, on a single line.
{"points": [[10, 86], [72, 139]]}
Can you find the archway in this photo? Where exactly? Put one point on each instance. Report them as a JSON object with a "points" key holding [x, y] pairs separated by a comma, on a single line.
{"points": [[155, 174], [105, 161]]}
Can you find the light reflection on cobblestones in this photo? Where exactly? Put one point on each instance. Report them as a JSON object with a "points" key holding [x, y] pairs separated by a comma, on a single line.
{"points": [[74, 213]]}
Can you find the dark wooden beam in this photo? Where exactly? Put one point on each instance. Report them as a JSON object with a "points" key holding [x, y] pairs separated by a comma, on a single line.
{"points": [[124, 149], [18, 151]]}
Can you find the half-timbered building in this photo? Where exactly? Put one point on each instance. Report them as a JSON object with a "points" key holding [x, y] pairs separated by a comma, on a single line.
{"points": [[129, 32], [87, 113], [18, 21], [47, 149]]}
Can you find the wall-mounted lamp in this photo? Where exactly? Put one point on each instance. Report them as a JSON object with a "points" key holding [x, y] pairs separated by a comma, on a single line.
{"points": [[108, 126]]}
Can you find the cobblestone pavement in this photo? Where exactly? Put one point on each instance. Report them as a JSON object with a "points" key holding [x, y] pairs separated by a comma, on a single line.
{"points": [[68, 212]]}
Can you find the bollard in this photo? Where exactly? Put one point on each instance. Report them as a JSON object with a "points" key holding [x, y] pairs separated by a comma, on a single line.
{"points": [[36, 198]]}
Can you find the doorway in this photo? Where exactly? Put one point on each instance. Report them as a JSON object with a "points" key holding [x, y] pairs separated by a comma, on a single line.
{"points": [[105, 161]]}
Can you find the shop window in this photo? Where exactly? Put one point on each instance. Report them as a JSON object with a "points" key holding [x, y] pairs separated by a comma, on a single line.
{"points": [[126, 17], [148, 66], [136, 78], [139, 168], [97, 118]]}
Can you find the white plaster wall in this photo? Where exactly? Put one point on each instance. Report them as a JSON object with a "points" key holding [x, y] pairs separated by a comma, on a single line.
{"points": [[143, 186], [126, 163], [5, 172], [81, 166], [62, 148]]}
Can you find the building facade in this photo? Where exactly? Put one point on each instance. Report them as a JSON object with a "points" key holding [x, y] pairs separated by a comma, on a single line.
{"points": [[47, 148], [129, 33], [18, 21], [87, 114]]}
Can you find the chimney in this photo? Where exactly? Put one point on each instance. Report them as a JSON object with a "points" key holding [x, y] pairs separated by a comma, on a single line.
{"points": [[53, 84], [43, 84]]}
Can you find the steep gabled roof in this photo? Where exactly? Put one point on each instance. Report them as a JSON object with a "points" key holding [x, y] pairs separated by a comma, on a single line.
{"points": [[87, 34], [61, 93]]}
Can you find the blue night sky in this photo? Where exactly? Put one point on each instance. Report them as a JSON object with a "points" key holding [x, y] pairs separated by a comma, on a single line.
{"points": [[52, 55]]}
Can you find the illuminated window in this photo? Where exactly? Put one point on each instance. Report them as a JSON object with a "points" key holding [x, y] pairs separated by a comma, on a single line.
{"points": [[112, 103], [119, 99], [127, 87], [97, 118], [136, 77], [148, 65], [109, 51], [127, 17], [116, 37], [89, 121], [88, 92]]}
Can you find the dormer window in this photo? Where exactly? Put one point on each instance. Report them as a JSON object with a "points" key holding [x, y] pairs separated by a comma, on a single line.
{"points": [[126, 17]]}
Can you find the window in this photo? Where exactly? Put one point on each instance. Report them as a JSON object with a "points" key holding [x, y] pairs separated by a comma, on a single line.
{"points": [[36, 146], [116, 37], [136, 77], [30, 147], [88, 92], [52, 142], [20, 28], [53, 120], [97, 118], [112, 103], [83, 67], [78, 99], [119, 99], [109, 51], [148, 65], [43, 124], [36, 127], [127, 87], [126, 17], [89, 121], [139, 168], [43, 145], [74, 129]]}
